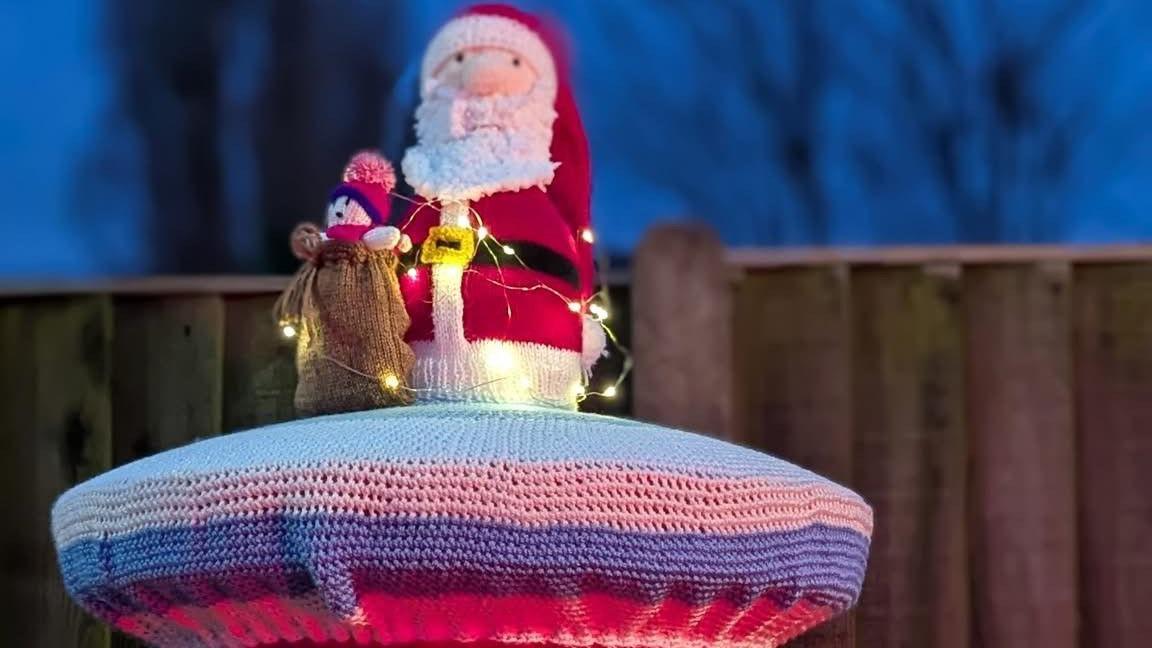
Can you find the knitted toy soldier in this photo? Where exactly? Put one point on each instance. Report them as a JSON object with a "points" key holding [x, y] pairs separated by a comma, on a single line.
{"points": [[345, 302]]}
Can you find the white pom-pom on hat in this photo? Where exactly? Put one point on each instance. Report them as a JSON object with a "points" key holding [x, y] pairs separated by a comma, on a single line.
{"points": [[371, 168]]}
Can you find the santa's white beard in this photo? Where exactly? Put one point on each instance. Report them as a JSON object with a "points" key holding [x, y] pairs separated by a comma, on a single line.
{"points": [[473, 147]]}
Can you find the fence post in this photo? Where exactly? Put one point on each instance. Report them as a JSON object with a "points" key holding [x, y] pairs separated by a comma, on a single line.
{"points": [[682, 330]]}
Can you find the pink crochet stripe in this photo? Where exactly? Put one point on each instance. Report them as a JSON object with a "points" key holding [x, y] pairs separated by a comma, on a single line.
{"points": [[516, 494], [591, 619]]}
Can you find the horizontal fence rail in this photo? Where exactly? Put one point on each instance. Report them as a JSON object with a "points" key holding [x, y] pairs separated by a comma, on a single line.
{"points": [[992, 403]]}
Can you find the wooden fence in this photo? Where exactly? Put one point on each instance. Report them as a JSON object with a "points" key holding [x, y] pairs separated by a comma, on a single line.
{"points": [[994, 405], [161, 363]]}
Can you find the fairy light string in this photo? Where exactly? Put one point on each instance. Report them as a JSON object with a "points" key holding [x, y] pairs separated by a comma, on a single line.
{"points": [[599, 313], [592, 306]]}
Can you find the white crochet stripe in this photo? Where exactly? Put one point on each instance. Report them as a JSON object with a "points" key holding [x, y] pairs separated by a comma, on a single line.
{"points": [[480, 30], [497, 371], [458, 433]]}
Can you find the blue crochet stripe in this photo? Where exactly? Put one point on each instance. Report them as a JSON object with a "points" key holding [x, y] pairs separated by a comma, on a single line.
{"points": [[453, 433], [819, 561]]}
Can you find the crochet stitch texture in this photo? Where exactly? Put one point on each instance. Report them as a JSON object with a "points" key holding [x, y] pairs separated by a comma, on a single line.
{"points": [[456, 524]]}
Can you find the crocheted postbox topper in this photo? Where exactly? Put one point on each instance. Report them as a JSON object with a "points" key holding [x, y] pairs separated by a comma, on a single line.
{"points": [[488, 514]]}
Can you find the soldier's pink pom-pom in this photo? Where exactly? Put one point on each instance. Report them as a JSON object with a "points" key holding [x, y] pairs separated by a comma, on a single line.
{"points": [[372, 168]]}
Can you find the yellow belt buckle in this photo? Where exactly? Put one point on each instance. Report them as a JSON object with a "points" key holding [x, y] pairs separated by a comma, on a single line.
{"points": [[449, 245]]}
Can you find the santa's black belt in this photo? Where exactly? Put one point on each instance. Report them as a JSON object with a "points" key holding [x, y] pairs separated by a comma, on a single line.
{"points": [[525, 254]]}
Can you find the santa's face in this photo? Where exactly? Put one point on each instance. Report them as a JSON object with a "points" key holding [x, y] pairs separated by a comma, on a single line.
{"points": [[486, 72], [484, 125]]}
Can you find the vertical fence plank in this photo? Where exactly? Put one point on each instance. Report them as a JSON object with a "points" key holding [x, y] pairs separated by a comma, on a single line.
{"points": [[259, 365], [166, 374], [682, 319], [54, 422], [1023, 457], [911, 459], [793, 358], [1113, 355]]}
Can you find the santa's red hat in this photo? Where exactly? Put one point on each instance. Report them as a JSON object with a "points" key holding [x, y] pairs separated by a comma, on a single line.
{"points": [[541, 44]]}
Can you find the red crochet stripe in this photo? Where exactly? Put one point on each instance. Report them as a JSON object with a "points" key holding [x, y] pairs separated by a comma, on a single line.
{"points": [[464, 619]]}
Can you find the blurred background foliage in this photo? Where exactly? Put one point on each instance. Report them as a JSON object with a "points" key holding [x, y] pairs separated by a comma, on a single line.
{"points": [[149, 136]]}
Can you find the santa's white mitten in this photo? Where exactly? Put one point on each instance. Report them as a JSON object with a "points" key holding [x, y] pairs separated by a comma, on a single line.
{"points": [[405, 244], [382, 238], [594, 343]]}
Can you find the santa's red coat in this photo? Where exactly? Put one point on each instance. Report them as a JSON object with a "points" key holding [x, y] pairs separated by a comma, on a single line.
{"points": [[508, 301]]}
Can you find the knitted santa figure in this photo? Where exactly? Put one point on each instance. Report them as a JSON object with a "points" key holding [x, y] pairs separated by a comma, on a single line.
{"points": [[500, 297]]}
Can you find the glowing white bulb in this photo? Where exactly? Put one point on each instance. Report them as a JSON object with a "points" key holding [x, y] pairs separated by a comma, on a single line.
{"points": [[411, 273], [288, 331], [391, 382], [598, 311], [508, 250], [610, 391], [500, 359], [587, 235], [482, 233], [574, 306], [578, 391]]}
